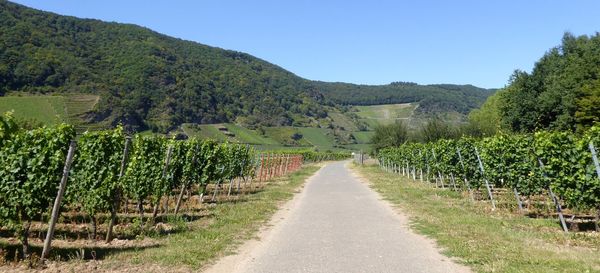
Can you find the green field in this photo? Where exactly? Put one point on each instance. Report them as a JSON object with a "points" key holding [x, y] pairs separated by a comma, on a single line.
{"points": [[244, 135], [385, 114], [77, 106], [275, 137], [363, 137], [318, 137], [45, 109], [205, 131], [284, 134], [342, 121], [50, 110]]}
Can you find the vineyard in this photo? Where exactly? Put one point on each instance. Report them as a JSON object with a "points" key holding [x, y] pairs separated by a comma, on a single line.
{"points": [[120, 186], [528, 172]]}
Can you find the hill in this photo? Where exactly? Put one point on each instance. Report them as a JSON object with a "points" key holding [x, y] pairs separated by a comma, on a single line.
{"points": [[436, 98], [147, 80]]}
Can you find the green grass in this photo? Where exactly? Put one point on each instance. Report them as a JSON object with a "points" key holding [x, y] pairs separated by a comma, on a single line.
{"points": [[363, 137], [249, 136], [487, 241], [343, 121], [230, 225], [283, 135], [45, 109], [317, 137], [50, 110], [204, 131]]}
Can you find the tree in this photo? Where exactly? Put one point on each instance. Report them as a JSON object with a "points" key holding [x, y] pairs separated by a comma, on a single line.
{"points": [[561, 93], [487, 120], [436, 129], [391, 135]]}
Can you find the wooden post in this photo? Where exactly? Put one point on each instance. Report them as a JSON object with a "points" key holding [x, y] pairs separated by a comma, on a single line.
{"points": [[555, 200], [117, 197], [59, 196], [487, 183]]}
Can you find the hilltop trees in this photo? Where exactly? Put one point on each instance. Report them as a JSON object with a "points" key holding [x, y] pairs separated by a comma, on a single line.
{"points": [[561, 93]]}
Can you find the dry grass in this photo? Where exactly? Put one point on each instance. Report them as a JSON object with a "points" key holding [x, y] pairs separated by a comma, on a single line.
{"points": [[487, 241]]}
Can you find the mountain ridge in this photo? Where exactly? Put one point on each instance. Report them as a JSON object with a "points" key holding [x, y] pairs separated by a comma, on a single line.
{"points": [[150, 80]]}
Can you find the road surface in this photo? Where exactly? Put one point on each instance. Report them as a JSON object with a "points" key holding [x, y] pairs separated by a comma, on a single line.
{"points": [[338, 224]]}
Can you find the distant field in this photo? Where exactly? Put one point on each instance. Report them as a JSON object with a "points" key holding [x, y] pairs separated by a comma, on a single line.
{"points": [[317, 137], [385, 114], [363, 137], [51, 110], [45, 109], [343, 121], [275, 138], [238, 134], [366, 148], [205, 131], [283, 135], [77, 106], [244, 135]]}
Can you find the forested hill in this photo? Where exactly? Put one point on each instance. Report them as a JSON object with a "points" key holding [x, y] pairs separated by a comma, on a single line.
{"points": [[146, 79], [432, 98]]}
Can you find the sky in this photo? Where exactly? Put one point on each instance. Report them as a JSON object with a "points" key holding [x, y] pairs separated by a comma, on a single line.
{"points": [[475, 42]]}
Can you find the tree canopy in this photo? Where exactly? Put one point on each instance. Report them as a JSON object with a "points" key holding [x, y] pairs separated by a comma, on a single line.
{"points": [[561, 93]]}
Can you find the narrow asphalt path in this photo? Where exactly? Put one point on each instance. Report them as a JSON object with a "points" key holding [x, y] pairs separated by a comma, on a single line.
{"points": [[338, 224]]}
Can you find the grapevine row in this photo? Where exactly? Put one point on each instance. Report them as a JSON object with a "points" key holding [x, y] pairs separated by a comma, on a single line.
{"points": [[109, 170], [560, 163]]}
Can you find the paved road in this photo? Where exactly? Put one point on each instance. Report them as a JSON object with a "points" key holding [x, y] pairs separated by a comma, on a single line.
{"points": [[338, 224]]}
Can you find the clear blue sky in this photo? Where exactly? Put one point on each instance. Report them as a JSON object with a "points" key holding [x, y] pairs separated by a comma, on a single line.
{"points": [[369, 42]]}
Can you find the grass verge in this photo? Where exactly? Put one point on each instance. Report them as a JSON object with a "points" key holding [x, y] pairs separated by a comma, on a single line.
{"points": [[230, 225], [486, 241]]}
